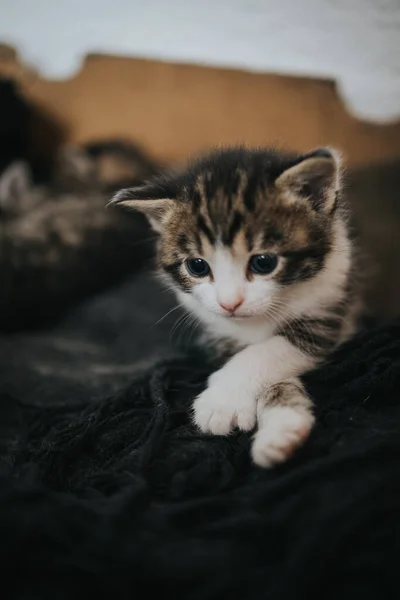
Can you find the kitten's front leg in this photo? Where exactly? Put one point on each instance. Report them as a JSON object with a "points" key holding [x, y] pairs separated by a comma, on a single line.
{"points": [[232, 394], [228, 401], [285, 419]]}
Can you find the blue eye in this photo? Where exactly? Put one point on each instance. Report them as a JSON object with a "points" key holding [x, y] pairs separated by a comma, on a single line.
{"points": [[263, 264], [198, 267]]}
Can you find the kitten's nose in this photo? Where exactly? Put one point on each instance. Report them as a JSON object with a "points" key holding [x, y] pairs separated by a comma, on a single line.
{"points": [[231, 306]]}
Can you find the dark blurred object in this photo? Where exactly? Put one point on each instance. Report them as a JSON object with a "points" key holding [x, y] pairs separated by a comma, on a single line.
{"points": [[14, 122], [374, 193], [106, 165], [26, 133], [58, 242], [56, 247]]}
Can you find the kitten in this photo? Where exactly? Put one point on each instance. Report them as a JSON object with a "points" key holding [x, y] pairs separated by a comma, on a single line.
{"points": [[56, 247], [256, 245], [103, 165]]}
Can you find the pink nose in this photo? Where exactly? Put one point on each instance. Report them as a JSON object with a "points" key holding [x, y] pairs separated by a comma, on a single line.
{"points": [[232, 306]]}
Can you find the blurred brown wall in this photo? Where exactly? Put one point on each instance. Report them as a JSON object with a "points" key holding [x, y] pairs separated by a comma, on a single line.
{"points": [[175, 110]]}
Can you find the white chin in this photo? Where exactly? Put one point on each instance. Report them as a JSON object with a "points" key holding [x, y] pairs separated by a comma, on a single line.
{"points": [[237, 317]]}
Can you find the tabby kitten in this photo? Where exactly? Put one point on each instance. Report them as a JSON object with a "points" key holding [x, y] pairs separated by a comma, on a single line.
{"points": [[57, 246], [105, 165], [256, 244]]}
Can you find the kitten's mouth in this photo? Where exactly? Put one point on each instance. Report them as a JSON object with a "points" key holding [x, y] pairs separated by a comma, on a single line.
{"points": [[237, 317]]}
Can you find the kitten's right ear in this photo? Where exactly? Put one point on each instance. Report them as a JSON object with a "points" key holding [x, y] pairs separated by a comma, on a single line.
{"points": [[15, 183], [153, 199], [314, 179]]}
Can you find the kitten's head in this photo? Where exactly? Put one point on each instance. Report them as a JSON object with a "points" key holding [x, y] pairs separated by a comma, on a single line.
{"points": [[102, 165], [240, 226]]}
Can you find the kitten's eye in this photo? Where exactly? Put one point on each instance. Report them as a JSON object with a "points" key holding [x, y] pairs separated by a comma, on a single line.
{"points": [[198, 267], [263, 264]]}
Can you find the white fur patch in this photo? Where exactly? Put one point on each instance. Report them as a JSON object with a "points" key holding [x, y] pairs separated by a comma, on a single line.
{"points": [[220, 408], [282, 430], [231, 396]]}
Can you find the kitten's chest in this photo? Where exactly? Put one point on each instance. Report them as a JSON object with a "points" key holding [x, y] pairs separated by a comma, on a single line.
{"points": [[241, 333]]}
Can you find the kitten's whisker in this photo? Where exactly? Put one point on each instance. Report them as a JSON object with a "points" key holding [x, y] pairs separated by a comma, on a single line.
{"points": [[183, 327], [166, 314], [180, 321], [286, 320], [282, 311], [177, 323], [193, 325], [187, 327], [136, 243]]}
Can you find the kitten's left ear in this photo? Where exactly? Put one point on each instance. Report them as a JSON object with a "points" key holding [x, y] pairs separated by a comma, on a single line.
{"points": [[315, 178], [15, 184], [153, 199]]}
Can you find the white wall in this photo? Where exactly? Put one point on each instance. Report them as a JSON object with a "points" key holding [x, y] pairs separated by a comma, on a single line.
{"points": [[356, 42]]}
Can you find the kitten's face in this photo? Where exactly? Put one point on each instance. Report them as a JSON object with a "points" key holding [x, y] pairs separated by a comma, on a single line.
{"points": [[240, 228]]}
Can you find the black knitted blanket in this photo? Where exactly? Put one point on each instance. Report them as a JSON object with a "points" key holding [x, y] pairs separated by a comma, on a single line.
{"points": [[108, 491]]}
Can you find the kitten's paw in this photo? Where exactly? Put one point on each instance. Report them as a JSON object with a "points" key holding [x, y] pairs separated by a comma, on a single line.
{"points": [[219, 409], [283, 430]]}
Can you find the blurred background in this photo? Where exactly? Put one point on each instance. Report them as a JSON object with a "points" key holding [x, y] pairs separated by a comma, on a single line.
{"points": [[95, 95]]}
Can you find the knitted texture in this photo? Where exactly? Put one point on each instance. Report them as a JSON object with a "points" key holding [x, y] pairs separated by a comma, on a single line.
{"points": [[121, 497]]}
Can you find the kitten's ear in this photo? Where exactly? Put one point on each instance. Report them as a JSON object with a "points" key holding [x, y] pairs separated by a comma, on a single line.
{"points": [[15, 183], [315, 178], [153, 199]]}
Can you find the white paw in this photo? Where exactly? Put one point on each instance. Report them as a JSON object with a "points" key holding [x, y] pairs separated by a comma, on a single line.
{"points": [[220, 408], [283, 430]]}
